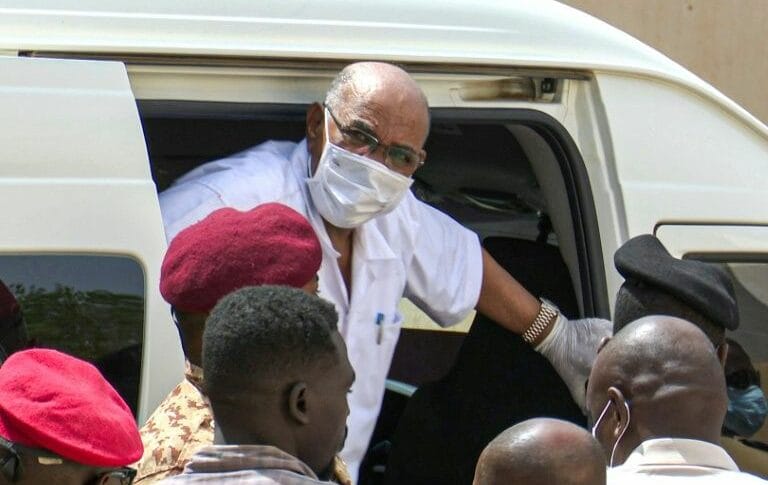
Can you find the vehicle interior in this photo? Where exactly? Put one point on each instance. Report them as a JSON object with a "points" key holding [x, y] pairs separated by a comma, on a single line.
{"points": [[508, 175]]}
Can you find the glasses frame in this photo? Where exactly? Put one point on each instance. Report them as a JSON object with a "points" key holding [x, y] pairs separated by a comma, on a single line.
{"points": [[12, 469], [349, 132], [125, 475], [10, 466]]}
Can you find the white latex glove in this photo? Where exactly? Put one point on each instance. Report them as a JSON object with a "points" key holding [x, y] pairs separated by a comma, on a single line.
{"points": [[571, 348]]}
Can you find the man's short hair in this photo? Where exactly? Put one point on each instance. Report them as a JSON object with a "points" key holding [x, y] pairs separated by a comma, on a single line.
{"points": [[638, 300], [255, 333], [335, 95]]}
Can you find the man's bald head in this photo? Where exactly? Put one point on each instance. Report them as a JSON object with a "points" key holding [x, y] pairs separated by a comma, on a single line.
{"points": [[358, 82], [665, 371], [542, 451]]}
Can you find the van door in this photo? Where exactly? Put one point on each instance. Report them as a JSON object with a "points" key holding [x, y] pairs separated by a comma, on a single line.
{"points": [[743, 251], [82, 238]]}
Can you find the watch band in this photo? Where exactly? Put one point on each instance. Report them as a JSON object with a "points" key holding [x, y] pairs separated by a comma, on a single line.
{"points": [[547, 312]]}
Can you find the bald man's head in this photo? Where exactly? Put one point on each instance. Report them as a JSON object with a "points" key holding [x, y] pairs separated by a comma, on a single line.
{"points": [[375, 97], [658, 377], [542, 452], [358, 82]]}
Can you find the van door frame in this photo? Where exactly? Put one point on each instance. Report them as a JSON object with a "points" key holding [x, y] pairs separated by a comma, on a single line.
{"points": [[579, 192]]}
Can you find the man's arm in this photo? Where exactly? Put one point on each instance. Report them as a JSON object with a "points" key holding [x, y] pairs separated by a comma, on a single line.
{"points": [[505, 301], [570, 346]]}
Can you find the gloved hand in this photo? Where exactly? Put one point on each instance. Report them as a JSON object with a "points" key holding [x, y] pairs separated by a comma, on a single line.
{"points": [[571, 348]]}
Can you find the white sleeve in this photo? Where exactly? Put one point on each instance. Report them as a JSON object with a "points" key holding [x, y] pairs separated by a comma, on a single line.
{"points": [[446, 271], [183, 205]]}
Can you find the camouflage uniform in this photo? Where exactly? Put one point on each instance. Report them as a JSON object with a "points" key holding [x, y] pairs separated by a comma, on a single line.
{"points": [[179, 427]]}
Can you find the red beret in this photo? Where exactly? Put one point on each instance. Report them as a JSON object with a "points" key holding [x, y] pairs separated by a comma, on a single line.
{"points": [[8, 304], [62, 404], [228, 250]]}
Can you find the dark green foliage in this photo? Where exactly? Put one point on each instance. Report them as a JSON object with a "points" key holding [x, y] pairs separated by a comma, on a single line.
{"points": [[88, 324]]}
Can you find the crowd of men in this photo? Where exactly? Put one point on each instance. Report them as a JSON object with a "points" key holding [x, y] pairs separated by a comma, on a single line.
{"points": [[284, 269]]}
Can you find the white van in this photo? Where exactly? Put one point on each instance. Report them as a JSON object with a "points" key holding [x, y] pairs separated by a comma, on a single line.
{"points": [[549, 128]]}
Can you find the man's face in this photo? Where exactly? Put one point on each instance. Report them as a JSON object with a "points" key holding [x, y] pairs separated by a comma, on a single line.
{"points": [[328, 409], [32, 470], [384, 110]]}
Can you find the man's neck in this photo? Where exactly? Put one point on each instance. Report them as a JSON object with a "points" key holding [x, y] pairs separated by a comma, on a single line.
{"points": [[339, 236], [341, 239]]}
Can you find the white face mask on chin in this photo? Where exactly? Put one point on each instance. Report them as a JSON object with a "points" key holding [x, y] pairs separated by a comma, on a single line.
{"points": [[349, 189]]}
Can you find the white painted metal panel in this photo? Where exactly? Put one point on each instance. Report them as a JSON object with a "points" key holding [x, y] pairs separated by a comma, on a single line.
{"points": [[75, 179], [680, 158], [504, 34], [745, 249]]}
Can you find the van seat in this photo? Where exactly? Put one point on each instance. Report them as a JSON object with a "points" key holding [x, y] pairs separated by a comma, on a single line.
{"points": [[496, 381]]}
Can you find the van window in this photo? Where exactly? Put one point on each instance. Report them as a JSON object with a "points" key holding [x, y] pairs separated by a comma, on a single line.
{"points": [[88, 306], [511, 175], [751, 284]]}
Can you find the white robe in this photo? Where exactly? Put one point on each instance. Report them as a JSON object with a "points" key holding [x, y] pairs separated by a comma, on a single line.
{"points": [[414, 251]]}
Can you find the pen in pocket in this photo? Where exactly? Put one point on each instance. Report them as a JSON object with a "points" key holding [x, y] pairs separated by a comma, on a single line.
{"points": [[380, 330]]}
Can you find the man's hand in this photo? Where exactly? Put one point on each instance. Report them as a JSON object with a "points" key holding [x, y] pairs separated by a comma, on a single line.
{"points": [[571, 348]]}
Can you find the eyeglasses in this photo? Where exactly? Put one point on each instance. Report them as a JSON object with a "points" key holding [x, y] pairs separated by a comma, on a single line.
{"points": [[398, 158], [12, 470], [10, 465], [123, 476]]}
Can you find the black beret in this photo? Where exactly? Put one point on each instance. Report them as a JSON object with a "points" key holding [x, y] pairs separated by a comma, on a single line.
{"points": [[705, 287]]}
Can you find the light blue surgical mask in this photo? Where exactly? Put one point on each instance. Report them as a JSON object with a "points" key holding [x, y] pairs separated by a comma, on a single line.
{"points": [[747, 410]]}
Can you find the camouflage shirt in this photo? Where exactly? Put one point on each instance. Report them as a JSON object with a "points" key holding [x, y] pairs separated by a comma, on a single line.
{"points": [[179, 427]]}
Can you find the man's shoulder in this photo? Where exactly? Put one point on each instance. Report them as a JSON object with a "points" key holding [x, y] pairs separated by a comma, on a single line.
{"points": [[179, 426], [270, 172], [246, 464], [671, 475], [269, 161], [413, 218]]}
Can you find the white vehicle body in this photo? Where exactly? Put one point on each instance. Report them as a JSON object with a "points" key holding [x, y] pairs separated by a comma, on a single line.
{"points": [[660, 150]]}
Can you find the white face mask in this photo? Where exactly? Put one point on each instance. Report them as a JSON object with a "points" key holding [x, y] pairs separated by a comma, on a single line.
{"points": [[349, 189]]}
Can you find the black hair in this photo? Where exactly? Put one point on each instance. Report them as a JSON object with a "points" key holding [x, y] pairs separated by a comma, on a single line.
{"points": [[255, 333], [636, 300]]}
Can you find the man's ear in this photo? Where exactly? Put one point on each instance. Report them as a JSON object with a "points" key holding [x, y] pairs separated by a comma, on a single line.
{"points": [[620, 410], [722, 352], [603, 342], [315, 127], [314, 122], [297, 403], [103, 480]]}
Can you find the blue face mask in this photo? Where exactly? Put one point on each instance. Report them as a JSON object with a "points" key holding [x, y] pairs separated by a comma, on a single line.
{"points": [[747, 409]]}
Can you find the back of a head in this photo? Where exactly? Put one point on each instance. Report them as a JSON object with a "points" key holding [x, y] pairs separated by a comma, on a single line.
{"points": [[359, 78], [257, 338], [270, 244], [656, 283], [542, 451], [229, 249], [634, 301], [668, 374]]}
